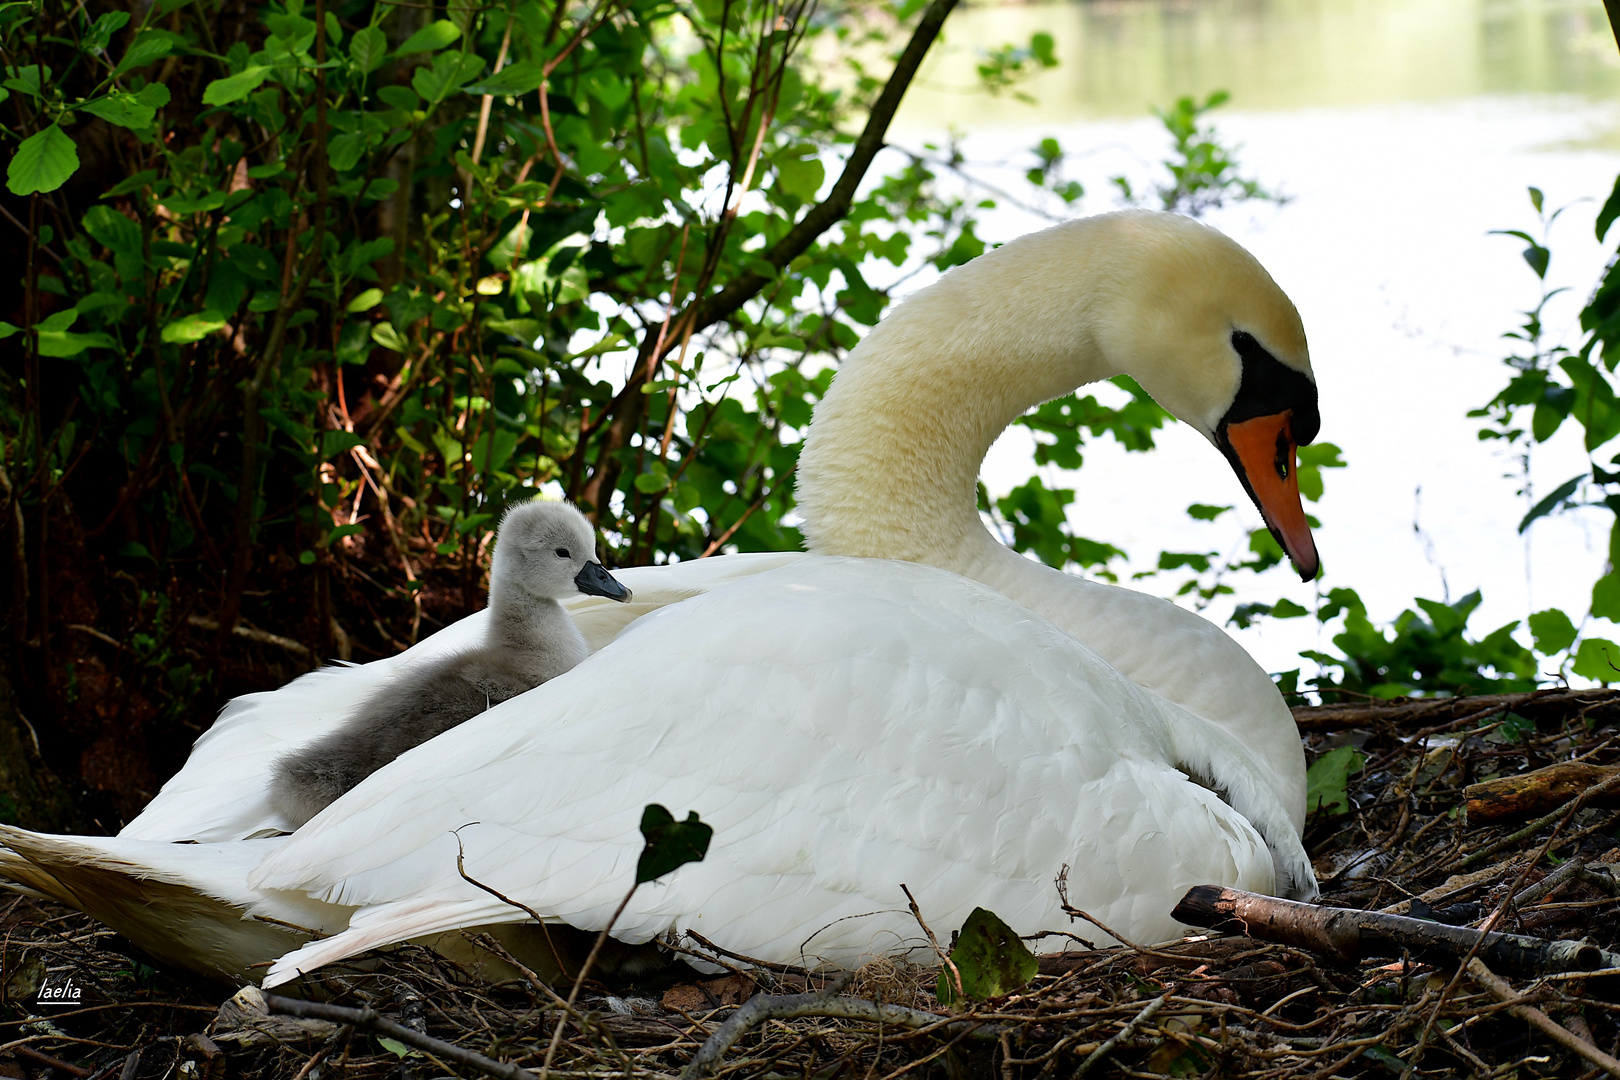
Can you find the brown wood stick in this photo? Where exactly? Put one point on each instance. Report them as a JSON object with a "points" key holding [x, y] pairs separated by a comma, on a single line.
{"points": [[371, 1021], [47, 1060], [1348, 935], [1537, 792], [1555, 1031], [1363, 714]]}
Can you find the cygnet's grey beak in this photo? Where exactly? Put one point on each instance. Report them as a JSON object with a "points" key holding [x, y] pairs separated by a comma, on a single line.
{"points": [[594, 580]]}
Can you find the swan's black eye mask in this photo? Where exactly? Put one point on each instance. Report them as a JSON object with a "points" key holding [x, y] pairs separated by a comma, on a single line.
{"points": [[1270, 387], [1274, 411]]}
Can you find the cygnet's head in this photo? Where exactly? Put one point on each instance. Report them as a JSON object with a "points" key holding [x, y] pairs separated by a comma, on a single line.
{"points": [[548, 550], [1200, 324]]}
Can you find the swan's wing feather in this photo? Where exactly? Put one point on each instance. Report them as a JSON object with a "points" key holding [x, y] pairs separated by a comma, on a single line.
{"points": [[846, 726], [221, 793]]}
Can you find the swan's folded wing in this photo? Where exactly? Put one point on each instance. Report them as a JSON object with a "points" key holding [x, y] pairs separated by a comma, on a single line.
{"points": [[222, 791], [846, 726]]}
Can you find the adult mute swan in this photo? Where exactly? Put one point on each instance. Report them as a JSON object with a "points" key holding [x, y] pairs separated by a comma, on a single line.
{"points": [[846, 724]]}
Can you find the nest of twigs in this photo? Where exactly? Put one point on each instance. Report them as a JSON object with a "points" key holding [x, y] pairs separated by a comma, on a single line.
{"points": [[1220, 1006]]}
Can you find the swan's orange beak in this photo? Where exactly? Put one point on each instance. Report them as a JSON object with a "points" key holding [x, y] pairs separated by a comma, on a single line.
{"points": [[1262, 452]]}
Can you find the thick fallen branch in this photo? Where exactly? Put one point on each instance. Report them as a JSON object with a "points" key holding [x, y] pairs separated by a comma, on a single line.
{"points": [[828, 1003], [1559, 1034], [371, 1021], [1537, 792], [1604, 703], [1349, 935]]}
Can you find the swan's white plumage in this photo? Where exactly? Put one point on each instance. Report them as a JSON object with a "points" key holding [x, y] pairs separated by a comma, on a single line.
{"points": [[835, 760]]}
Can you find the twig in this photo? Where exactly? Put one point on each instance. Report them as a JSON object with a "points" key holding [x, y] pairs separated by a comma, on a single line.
{"points": [[261, 637], [1124, 1033], [1559, 1034], [944, 957], [768, 965], [369, 1019], [579, 980], [829, 1003], [49, 1061]]}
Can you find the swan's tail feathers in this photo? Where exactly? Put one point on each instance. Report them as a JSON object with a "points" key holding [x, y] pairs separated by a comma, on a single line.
{"points": [[21, 876], [183, 904], [386, 925]]}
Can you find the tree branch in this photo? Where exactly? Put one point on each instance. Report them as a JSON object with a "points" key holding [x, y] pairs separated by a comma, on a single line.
{"points": [[369, 1019], [628, 405], [1348, 935]]}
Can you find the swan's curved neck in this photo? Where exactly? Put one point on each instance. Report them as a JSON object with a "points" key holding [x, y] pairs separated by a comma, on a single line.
{"points": [[891, 464]]}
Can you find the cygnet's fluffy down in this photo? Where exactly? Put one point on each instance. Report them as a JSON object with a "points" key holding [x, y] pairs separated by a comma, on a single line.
{"points": [[545, 552]]}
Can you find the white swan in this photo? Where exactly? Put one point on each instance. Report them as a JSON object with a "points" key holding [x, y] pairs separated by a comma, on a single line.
{"points": [[845, 724]]}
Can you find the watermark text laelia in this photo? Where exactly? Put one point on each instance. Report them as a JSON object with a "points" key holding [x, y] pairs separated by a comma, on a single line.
{"points": [[59, 990]]}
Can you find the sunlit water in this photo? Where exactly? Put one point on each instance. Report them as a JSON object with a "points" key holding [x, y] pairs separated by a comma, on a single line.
{"points": [[1404, 132]]}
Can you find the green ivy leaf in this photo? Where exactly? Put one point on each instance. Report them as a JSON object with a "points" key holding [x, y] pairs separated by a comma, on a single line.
{"points": [[368, 49], [449, 71], [42, 163], [990, 958], [192, 328], [1610, 211], [105, 27], [1327, 781], [393, 1046], [385, 335], [433, 36], [1606, 597], [1597, 659], [669, 843], [513, 80], [365, 302], [150, 46], [1547, 505], [236, 87], [55, 340], [125, 110], [1552, 630], [343, 152]]}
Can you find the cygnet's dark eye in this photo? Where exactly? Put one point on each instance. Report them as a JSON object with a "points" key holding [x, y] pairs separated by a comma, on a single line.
{"points": [[562, 553]]}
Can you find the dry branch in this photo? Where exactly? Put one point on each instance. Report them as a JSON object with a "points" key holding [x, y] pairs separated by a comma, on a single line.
{"points": [[828, 1003], [372, 1021], [1544, 1023], [1531, 793], [1533, 705], [1348, 935]]}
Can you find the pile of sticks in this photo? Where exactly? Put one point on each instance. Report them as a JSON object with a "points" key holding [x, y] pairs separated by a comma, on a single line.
{"points": [[1469, 925]]}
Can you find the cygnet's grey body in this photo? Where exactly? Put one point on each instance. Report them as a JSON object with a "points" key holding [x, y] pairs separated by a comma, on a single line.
{"points": [[545, 552]]}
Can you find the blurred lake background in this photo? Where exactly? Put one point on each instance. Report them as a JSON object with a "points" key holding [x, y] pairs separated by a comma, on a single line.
{"points": [[1403, 132]]}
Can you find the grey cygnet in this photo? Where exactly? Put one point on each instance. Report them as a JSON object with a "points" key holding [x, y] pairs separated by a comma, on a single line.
{"points": [[545, 552]]}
